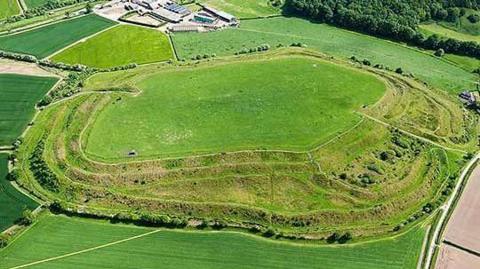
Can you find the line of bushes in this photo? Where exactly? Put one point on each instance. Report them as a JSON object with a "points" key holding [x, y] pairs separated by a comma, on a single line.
{"points": [[40, 169]]}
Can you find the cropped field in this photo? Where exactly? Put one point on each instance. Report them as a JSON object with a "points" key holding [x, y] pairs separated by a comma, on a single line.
{"points": [[132, 44], [8, 8], [56, 235], [42, 42], [12, 202], [329, 40], [244, 8], [275, 104], [19, 96]]}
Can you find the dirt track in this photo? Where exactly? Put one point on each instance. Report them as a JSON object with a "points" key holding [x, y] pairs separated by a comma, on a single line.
{"points": [[13, 67], [453, 258]]}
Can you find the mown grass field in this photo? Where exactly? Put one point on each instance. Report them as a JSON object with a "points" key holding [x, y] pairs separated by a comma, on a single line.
{"points": [[42, 42], [329, 40], [291, 104], [57, 235], [8, 8], [19, 96], [244, 8], [12, 202], [132, 44]]}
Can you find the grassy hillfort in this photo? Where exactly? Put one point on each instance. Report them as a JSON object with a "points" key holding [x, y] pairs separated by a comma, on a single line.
{"points": [[225, 133]]}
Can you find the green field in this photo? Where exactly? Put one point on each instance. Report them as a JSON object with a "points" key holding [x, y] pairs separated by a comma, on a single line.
{"points": [[35, 3], [329, 40], [42, 42], [19, 96], [440, 30], [244, 8], [12, 202], [274, 104], [132, 45], [8, 8], [57, 235]]}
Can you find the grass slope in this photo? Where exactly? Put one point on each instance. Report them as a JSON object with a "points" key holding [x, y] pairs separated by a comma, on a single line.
{"points": [[327, 39], [277, 104], [12, 202], [244, 8], [19, 95], [132, 45], [57, 235], [440, 30], [46, 40], [8, 8]]}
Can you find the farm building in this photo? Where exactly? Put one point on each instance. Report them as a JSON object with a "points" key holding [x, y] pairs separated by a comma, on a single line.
{"points": [[184, 28], [204, 18], [166, 15], [150, 4], [221, 14], [176, 8]]}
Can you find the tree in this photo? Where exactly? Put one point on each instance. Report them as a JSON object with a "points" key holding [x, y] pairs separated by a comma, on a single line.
{"points": [[333, 238], [27, 217], [439, 53], [345, 238], [88, 8], [4, 239]]}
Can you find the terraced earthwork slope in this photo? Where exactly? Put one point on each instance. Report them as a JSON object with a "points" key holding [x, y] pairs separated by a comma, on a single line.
{"points": [[370, 177]]}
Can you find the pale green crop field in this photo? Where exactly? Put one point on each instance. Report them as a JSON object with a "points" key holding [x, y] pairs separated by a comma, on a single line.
{"points": [[289, 104], [330, 40], [244, 8], [54, 236], [8, 8], [449, 33], [121, 45]]}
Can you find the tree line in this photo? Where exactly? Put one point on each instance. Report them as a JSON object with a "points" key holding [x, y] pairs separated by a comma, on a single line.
{"points": [[393, 19]]}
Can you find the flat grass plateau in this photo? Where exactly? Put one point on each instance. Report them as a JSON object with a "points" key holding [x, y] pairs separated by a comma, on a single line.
{"points": [[276, 104], [245, 8], [44, 41], [366, 177], [132, 45], [8, 8], [55, 236], [19, 96], [330, 40], [12, 202]]}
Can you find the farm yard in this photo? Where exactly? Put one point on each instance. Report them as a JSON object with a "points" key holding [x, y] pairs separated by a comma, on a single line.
{"points": [[53, 236], [19, 95], [44, 41], [133, 44], [236, 134], [8, 8], [12, 202]]}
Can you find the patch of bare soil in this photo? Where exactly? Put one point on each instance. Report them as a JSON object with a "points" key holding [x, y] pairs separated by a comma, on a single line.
{"points": [[14, 67], [453, 258], [464, 227]]}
